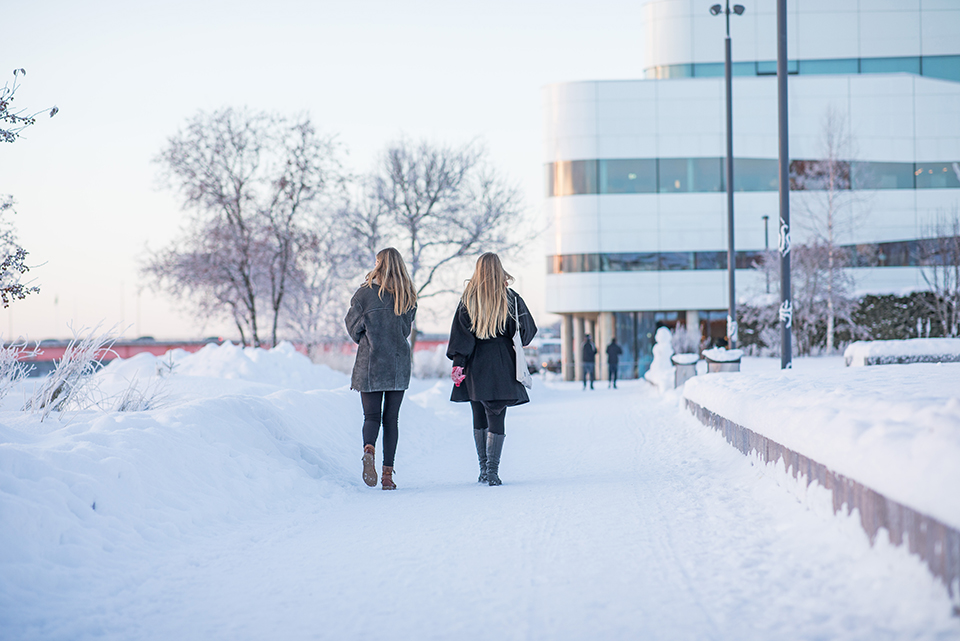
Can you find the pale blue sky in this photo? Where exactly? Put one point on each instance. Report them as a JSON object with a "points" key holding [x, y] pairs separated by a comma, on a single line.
{"points": [[126, 75]]}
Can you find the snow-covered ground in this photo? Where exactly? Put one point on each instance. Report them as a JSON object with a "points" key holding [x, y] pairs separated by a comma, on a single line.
{"points": [[234, 509]]}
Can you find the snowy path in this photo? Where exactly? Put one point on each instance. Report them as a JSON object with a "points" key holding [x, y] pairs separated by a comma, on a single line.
{"points": [[620, 518]]}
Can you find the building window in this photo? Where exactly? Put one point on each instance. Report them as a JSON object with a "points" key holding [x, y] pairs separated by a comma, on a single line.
{"points": [[630, 262], [882, 175], [944, 67], [838, 65], [637, 176], [673, 261], [572, 177], [756, 174], [769, 67], [706, 175], [938, 175], [690, 175], [910, 64]]}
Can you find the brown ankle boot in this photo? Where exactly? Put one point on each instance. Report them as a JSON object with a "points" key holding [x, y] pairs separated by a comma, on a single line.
{"points": [[387, 479], [369, 466]]}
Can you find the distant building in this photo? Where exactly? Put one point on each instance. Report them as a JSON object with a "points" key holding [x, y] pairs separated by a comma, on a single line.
{"points": [[635, 168]]}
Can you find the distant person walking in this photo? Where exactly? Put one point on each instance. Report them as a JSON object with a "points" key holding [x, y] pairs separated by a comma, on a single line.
{"points": [[484, 363], [379, 320], [589, 352], [613, 361]]}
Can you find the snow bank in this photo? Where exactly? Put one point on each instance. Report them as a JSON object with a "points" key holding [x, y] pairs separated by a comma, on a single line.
{"points": [[894, 429], [723, 355], [912, 350], [239, 431]]}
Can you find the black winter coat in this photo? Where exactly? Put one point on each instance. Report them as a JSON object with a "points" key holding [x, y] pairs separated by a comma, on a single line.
{"points": [[613, 353], [383, 358], [489, 364], [588, 351]]}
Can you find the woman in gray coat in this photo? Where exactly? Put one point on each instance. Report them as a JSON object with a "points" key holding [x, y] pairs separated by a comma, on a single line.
{"points": [[379, 320]]}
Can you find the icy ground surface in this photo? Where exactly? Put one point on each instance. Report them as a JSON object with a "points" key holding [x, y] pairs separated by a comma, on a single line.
{"points": [[235, 510]]}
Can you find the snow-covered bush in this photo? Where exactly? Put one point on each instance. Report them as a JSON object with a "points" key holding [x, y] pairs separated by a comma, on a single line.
{"points": [[685, 341], [12, 367], [431, 363], [67, 384]]}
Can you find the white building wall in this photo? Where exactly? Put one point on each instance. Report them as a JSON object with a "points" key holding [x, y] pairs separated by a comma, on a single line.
{"points": [[897, 117]]}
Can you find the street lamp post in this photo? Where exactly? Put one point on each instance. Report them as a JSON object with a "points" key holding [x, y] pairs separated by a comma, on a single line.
{"points": [[732, 337], [786, 303]]}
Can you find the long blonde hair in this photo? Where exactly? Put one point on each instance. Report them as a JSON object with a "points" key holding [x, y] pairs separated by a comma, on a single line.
{"points": [[485, 297], [390, 273]]}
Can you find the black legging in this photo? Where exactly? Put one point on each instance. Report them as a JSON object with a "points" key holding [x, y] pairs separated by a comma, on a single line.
{"points": [[485, 418], [390, 404]]}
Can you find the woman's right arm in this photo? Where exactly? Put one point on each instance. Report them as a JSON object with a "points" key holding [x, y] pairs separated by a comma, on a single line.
{"points": [[354, 319], [462, 340]]}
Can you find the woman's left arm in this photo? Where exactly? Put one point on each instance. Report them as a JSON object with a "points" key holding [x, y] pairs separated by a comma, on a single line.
{"points": [[528, 327]]}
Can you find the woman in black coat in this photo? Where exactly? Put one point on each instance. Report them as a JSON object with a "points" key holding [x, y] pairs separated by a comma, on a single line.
{"points": [[484, 363], [379, 320]]}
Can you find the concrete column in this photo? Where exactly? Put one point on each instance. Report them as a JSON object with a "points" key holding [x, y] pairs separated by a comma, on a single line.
{"points": [[693, 324], [604, 334], [578, 331], [567, 347]]}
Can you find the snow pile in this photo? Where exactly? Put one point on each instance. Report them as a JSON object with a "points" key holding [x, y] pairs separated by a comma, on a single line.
{"points": [[661, 372], [722, 355], [912, 350], [894, 429]]}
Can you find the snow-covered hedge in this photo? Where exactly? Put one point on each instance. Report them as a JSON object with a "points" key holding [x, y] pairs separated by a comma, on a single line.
{"points": [[913, 350], [894, 429]]}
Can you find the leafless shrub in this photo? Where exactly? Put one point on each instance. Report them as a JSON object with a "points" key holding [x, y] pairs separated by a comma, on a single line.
{"points": [[67, 384], [12, 367]]}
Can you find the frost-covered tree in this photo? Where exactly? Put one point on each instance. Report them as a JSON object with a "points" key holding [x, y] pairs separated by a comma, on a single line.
{"points": [[940, 260], [441, 206], [13, 121], [13, 263], [260, 190]]}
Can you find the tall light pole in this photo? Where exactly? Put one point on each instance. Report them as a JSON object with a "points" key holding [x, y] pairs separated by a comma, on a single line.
{"points": [[732, 337], [786, 304]]}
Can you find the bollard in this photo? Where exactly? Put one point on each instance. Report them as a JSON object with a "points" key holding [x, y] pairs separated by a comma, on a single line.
{"points": [[722, 360], [686, 367]]}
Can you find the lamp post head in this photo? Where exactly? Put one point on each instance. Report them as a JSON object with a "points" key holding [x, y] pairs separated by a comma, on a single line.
{"points": [[715, 10], [738, 9]]}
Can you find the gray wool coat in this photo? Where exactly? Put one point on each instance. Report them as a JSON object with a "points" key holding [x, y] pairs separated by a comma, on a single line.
{"points": [[383, 355]]}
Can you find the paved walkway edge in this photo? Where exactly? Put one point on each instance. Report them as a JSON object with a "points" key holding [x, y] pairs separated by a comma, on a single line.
{"points": [[934, 542]]}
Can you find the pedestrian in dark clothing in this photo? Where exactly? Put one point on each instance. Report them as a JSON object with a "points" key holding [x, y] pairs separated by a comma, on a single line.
{"points": [[379, 319], [613, 361], [589, 352], [484, 362]]}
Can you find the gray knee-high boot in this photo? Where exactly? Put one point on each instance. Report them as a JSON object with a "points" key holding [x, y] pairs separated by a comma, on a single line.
{"points": [[480, 437], [494, 447]]}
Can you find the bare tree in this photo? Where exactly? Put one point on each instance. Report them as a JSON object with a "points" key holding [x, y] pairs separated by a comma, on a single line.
{"points": [[259, 187], [12, 122], [829, 200], [442, 205], [940, 261]]}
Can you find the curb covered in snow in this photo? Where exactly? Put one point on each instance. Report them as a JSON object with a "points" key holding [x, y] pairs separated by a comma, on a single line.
{"points": [[933, 541]]}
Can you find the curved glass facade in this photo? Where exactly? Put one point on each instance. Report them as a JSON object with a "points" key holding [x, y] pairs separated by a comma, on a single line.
{"points": [[904, 253], [699, 175], [943, 67]]}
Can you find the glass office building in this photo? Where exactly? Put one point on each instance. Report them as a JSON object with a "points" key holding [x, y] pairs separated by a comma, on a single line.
{"points": [[634, 170]]}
